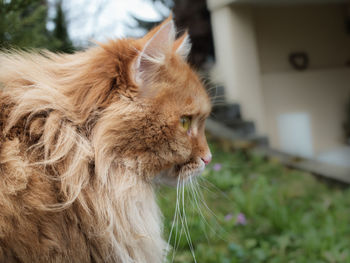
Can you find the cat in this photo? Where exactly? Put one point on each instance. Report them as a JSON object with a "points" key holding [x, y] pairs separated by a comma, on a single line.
{"points": [[83, 138]]}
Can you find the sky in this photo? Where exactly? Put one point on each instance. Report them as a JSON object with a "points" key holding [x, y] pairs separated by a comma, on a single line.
{"points": [[105, 19]]}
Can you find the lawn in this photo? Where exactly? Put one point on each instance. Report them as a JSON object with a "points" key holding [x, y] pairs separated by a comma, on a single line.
{"points": [[247, 209]]}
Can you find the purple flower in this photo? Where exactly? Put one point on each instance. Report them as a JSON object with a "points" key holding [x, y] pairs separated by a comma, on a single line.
{"points": [[228, 217], [217, 167], [241, 219]]}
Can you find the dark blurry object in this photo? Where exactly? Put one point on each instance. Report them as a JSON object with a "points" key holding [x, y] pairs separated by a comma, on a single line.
{"points": [[347, 63], [194, 16], [299, 60], [23, 24], [347, 24], [347, 18], [347, 124]]}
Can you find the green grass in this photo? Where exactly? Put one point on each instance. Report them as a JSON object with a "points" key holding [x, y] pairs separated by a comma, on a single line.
{"points": [[290, 216]]}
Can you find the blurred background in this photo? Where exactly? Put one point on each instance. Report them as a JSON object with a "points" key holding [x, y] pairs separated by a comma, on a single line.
{"points": [[279, 74]]}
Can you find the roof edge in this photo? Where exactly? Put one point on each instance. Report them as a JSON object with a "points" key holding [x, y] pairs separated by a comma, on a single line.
{"points": [[217, 4]]}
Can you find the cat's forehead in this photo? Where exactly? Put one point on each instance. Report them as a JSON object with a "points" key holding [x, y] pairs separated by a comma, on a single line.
{"points": [[198, 103], [192, 98], [194, 94], [184, 98], [183, 89]]}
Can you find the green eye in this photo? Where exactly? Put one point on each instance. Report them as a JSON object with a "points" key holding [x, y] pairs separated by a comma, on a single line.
{"points": [[185, 122]]}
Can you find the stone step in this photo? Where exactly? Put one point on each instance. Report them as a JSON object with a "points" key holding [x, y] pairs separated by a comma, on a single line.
{"points": [[243, 128], [259, 145], [330, 171], [227, 112], [218, 130]]}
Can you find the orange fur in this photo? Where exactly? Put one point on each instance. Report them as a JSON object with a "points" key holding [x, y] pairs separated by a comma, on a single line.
{"points": [[82, 141]]}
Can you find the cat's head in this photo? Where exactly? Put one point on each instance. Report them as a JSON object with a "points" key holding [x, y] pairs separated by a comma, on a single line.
{"points": [[160, 125]]}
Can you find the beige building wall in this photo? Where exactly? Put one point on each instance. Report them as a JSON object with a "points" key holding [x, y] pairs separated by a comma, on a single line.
{"points": [[322, 94], [253, 43], [318, 30], [321, 91], [238, 64]]}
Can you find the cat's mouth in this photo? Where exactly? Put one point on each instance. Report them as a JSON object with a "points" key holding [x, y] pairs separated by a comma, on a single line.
{"points": [[181, 172], [189, 169]]}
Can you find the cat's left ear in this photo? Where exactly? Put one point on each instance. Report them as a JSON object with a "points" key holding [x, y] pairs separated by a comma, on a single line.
{"points": [[182, 45], [157, 43]]}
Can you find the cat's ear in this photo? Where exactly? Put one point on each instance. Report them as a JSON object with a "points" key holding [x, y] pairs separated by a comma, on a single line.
{"points": [[157, 43], [182, 45]]}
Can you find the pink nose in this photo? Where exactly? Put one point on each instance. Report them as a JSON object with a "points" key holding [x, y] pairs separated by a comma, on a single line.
{"points": [[206, 159]]}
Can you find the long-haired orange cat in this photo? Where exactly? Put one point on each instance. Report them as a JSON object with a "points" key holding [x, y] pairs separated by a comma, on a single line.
{"points": [[82, 138]]}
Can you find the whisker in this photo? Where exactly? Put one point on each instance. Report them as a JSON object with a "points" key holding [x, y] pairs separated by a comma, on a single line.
{"points": [[216, 219], [178, 238], [205, 205], [204, 180], [188, 236], [217, 96], [174, 220], [219, 104], [201, 198], [197, 206], [220, 98]]}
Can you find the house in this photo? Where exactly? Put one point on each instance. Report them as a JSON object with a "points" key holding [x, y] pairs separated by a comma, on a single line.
{"points": [[287, 63]]}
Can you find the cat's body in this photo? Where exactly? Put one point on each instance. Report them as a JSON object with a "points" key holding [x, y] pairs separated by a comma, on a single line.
{"points": [[81, 139]]}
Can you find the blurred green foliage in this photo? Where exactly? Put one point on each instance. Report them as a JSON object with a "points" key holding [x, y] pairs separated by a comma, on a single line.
{"points": [[290, 216], [23, 24]]}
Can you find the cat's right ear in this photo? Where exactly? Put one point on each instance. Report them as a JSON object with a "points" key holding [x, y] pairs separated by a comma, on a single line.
{"points": [[157, 43], [182, 45]]}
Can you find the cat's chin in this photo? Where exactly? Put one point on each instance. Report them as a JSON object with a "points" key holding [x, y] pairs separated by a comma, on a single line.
{"points": [[180, 173]]}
